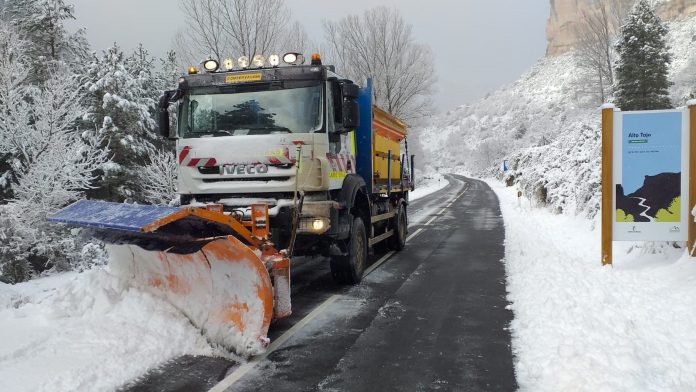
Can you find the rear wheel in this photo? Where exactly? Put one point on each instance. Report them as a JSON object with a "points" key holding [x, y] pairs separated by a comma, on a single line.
{"points": [[397, 242], [348, 269]]}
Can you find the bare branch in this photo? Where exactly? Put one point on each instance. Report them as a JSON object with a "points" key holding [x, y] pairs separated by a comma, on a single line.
{"points": [[379, 44]]}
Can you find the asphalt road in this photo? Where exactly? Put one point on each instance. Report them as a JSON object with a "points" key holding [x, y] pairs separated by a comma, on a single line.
{"points": [[432, 317]]}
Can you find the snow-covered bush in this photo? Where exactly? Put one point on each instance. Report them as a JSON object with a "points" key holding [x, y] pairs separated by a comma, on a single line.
{"points": [[15, 242], [565, 174], [92, 254]]}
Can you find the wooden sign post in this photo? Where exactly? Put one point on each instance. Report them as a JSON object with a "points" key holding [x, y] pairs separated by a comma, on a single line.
{"points": [[607, 183], [648, 176], [692, 176]]}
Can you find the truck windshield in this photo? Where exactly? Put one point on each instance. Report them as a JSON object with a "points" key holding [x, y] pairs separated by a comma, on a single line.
{"points": [[278, 107]]}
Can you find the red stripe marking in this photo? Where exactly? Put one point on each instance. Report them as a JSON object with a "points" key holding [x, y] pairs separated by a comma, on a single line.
{"points": [[193, 162], [184, 153], [211, 162], [274, 161]]}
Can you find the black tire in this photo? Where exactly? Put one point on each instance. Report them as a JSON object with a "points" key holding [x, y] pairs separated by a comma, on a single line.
{"points": [[348, 269], [397, 242]]}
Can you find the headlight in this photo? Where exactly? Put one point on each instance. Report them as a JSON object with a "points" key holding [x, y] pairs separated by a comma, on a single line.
{"points": [[243, 61], [318, 225], [228, 64], [293, 58], [258, 60], [274, 60], [211, 65], [314, 225]]}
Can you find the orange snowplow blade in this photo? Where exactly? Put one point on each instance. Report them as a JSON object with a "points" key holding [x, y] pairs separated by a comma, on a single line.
{"points": [[228, 280], [223, 288]]}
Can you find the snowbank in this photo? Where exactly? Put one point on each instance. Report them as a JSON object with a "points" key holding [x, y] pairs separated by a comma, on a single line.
{"points": [[579, 326], [87, 331]]}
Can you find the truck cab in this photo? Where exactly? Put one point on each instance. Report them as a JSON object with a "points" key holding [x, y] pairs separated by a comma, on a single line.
{"points": [[287, 136]]}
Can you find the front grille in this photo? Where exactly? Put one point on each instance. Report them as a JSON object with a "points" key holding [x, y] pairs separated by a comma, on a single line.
{"points": [[245, 179]]}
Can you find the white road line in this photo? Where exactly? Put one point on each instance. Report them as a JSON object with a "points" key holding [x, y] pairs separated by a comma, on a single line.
{"points": [[378, 263], [415, 233], [430, 221], [245, 368]]}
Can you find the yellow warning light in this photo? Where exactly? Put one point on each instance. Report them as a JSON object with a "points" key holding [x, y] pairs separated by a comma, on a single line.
{"points": [[316, 59], [192, 70]]}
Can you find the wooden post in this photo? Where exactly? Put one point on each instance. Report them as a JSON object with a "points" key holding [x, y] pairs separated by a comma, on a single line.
{"points": [[692, 177], [607, 183]]}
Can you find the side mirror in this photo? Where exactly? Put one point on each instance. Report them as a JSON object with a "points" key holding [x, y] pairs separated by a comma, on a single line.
{"points": [[163, 111], [163, 114], [350, 90], [351, 114]]}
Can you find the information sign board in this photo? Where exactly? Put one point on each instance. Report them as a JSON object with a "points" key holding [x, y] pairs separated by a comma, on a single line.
{"points": [[650, 175]]}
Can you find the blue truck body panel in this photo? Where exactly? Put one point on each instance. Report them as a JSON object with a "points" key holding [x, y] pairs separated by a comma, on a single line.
{"points": [[363, 136]]}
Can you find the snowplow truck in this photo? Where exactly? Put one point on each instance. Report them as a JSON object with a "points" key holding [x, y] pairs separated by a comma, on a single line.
{"points": [[276, 159]]}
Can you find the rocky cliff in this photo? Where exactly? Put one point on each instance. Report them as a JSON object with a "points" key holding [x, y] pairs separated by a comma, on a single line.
{"points": [[562, 27]]}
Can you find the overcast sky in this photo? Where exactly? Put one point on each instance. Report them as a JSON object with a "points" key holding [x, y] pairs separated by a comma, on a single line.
{"points": [[479, 45]]}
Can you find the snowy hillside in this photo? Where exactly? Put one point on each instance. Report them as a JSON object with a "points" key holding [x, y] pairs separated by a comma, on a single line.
{"points": [[546, 125]]}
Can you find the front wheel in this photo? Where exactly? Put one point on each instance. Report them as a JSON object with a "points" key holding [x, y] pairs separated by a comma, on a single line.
{"points": [[349, 268]]}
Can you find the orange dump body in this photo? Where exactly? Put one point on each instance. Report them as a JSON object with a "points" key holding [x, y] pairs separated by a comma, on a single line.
{"points": [[388, 134]]}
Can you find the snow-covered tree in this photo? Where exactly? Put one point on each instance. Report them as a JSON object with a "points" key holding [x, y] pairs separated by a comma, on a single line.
{"points": [[123, 99], [597, 29], [379, 44], [642, 69], [158, 177], [52, 162], [13, 75], [41, 25], [169, 73]]}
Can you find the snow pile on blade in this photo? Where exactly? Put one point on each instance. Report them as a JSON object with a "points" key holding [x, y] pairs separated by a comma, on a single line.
{"points": [[89, 332]]}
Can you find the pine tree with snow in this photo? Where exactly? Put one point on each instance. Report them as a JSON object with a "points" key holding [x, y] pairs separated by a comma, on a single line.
{"points": [[41, 24], [123, 100], [641, 72]]}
